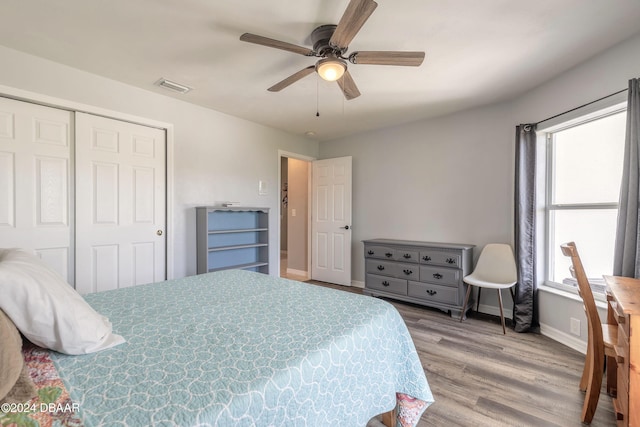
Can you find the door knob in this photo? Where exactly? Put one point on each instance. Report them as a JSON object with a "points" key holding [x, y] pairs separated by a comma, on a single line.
{"points": [[346, 227], [159, 232]]}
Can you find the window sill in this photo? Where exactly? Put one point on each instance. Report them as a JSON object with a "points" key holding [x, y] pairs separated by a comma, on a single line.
{"points": [[571, 293]]}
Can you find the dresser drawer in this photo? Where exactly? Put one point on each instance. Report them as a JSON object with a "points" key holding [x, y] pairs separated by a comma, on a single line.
{"points": [[440, 258], [390, 268], [386, 268], [388, 284], [381, 252], [622, 350], [439, 275], [435, 293]]}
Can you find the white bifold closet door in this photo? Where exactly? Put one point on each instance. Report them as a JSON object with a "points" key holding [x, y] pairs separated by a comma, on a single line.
{"points": [[120, 209], [89, 199], [35, 182]]}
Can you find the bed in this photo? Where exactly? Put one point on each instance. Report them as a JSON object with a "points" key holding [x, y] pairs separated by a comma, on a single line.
{"points": [[238, 348]]}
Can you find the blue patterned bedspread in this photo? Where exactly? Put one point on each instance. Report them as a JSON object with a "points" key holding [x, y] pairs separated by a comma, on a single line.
{"points": [[236, 348]]}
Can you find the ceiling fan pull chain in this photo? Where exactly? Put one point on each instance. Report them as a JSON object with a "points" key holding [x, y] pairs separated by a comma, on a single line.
{"points": [[317, 96]]}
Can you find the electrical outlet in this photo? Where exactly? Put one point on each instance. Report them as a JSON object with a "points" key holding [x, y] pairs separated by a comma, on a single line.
{"points": [[575, 326]]}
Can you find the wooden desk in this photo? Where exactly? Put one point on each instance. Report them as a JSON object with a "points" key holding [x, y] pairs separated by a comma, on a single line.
{"points": [[624, 310]]}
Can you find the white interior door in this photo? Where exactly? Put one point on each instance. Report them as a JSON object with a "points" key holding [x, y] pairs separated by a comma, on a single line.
{"points": [[120, 207], [35, 193], [331, 221]]}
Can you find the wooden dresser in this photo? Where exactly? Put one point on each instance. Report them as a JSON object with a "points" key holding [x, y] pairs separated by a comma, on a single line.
{"points": [[624, 310]]}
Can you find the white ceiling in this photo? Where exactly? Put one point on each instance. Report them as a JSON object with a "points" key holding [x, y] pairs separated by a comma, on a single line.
{"points": [[477, 52]]}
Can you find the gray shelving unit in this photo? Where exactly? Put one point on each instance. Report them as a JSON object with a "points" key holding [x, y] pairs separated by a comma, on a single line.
{"points": [[232, 237]]}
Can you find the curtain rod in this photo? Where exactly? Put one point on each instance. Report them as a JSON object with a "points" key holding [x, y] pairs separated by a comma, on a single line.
{"points": [[583, 105]]}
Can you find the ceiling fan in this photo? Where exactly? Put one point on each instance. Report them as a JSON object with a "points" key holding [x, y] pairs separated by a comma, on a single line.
{"points": [[330, 42]]}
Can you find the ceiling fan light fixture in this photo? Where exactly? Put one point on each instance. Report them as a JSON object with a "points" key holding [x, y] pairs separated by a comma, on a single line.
{"points": [[331, 69]]}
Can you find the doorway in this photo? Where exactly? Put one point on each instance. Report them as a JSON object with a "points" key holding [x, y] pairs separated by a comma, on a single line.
{"points": [[295, 174]]}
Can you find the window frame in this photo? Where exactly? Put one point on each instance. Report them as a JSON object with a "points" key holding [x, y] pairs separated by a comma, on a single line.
{"points": [[548, 174]]}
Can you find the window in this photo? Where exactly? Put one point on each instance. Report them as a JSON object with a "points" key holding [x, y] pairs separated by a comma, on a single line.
{"points": [[584, 171]]}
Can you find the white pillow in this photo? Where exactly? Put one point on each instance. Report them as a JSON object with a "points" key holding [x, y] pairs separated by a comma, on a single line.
{"points": [[47, 310]]}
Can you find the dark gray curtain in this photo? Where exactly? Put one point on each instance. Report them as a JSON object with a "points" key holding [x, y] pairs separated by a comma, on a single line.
{"points": [[627, 251], [524, 309]]}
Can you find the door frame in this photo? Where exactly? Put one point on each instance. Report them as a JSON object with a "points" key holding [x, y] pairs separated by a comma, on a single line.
{"points": [[292, 155], [65, 104]]}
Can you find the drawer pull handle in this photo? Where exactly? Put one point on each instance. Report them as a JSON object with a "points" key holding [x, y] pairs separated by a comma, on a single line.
{"points": [[437, 276], [370, 252], [407, 272], [431, 292], [406, 256], [451, 261], [388, 254], [426, 258], [385, 283], [381, 267]]}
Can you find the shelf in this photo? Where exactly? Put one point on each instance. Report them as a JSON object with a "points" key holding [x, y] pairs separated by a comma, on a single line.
{"points": [[237, 230], [239, 266], [231, 247], [232, 238]]}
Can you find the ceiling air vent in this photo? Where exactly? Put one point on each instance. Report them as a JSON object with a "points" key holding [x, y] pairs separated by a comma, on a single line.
{"points": [[176, 87]]}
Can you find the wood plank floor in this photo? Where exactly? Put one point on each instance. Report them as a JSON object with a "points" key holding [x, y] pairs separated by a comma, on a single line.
{"points": [[480, 377]]}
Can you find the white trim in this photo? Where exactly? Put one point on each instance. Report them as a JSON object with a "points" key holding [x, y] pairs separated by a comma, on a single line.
{"points": [[357, 284], [563, 338], [555, 289], [585, 113], [292, 155], [495, 311], [65, 104], [297, 272]]}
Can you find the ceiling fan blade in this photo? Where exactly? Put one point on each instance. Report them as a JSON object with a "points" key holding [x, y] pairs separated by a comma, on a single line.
{"points": [[348, 86], [354, 17], [292, 79], [265, 41], [413, 59]]}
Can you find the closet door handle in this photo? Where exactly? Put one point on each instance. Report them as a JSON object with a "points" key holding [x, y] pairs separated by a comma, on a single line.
{"points": [[159, 232]]}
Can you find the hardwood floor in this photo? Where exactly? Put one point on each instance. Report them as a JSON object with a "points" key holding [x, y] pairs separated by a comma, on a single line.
{"points": [[480, 377]]}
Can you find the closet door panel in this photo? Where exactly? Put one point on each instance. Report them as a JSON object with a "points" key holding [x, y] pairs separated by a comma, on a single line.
{"points": [[35, 182], [120, 209]]}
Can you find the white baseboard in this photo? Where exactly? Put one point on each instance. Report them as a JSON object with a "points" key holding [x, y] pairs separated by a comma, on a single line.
{"points": [[297, 272], [564, 338], [494, 311], [357, 284]]}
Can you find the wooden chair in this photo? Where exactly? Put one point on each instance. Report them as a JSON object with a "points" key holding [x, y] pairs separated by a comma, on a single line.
{"points": [[602, 340]]}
